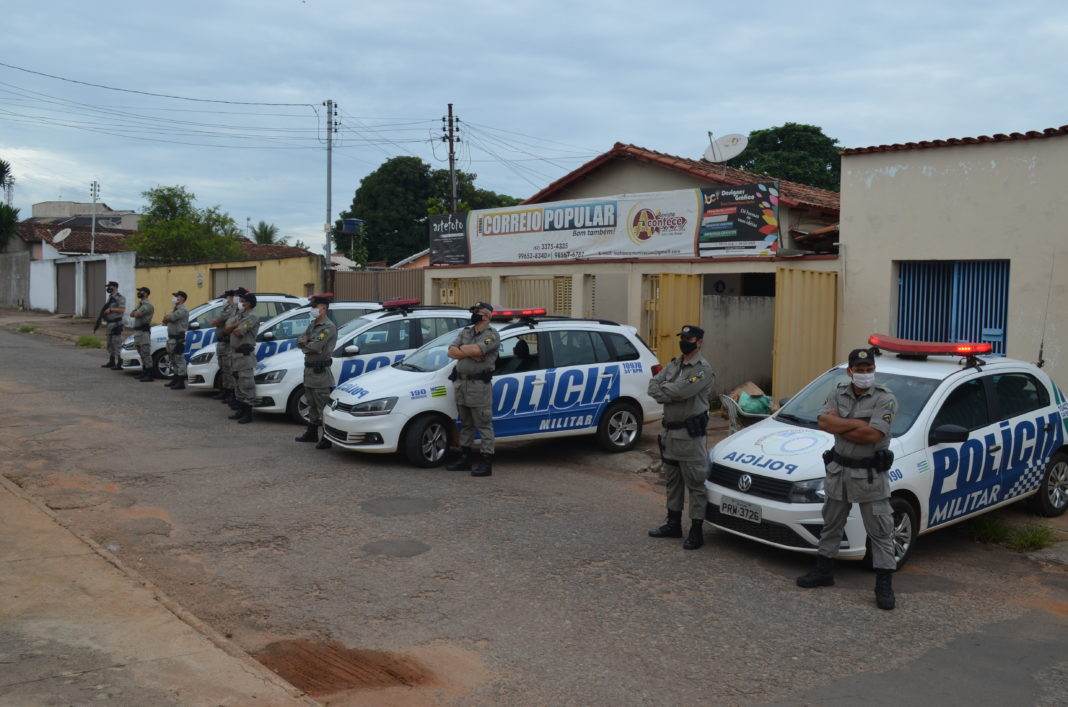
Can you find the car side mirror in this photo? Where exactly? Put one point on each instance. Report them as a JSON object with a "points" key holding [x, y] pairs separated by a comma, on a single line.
{"points": [[268, 336], [194, 325], [948, 434], [783, 401], [351, 350]]}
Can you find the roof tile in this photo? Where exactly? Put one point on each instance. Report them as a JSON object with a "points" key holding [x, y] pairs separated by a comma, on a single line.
{"points": [[951, 142]]}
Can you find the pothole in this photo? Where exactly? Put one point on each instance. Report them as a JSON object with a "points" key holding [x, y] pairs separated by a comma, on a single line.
{"points": [[325, 668]]}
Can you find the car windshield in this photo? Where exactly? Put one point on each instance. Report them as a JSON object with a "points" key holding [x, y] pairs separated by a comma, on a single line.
{"points": [[431, 357], [911, 392], [355, 324]]}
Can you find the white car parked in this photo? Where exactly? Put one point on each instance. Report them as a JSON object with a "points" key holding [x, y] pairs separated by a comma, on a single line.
{"points": [[275, 336], [375, 340], [970, 435], [554, 377], [201, 332]]}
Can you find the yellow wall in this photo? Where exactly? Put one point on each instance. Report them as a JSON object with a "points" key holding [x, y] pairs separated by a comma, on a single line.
{"points": [[287, 275]]}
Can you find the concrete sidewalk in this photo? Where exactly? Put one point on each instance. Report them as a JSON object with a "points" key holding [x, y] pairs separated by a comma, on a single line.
{"points": [[78, 627], [58, 326]]}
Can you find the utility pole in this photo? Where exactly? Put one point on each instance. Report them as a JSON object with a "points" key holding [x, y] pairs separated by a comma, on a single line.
{"points": [[331, 128], [94, 191], [450, 137]]}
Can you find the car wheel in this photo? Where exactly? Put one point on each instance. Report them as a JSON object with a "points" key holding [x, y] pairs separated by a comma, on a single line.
{"points": [[162, 363], [906, 526], [620, 427], [426, 441], [1052, 497], [297, 407]]}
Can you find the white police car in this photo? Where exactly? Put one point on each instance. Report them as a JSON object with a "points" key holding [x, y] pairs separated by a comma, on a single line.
{"points": [[970, 435], [554, 377], [201, 332], [374, 340], [275, 336]]}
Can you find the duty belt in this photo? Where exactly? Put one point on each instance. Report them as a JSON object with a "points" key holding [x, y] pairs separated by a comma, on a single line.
{"points": [[881, 462], [319, 364], [853, 463], [484, 377], [680, 425]]}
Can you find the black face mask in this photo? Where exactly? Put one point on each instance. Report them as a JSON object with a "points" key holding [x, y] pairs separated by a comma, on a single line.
{"points": [[687, 347], [476, 317]]}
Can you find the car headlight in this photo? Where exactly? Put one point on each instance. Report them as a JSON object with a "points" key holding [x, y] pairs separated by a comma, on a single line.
{"points": [[810, 491], [382, 406], [129, 344], [203, 357], [271, 376]]}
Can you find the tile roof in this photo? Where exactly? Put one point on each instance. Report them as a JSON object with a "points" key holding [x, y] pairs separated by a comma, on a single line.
{"points": [[791, 193], [957, 141], [255, 251]]}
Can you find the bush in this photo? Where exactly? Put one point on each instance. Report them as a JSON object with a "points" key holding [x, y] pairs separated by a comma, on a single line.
{"points": [[87, 341], [1032, 537], [1023, 538], [26, 328], [990, 529]]}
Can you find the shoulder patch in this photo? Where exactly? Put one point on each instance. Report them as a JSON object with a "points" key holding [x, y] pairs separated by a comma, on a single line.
{"points": [[888, 418], [488, 340], [322, 336]]}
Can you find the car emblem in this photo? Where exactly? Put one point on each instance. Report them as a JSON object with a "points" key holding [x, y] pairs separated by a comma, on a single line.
{"points": [[745, 482], [333, 404]]}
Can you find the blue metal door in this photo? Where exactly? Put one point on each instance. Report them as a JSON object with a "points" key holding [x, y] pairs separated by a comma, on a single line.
{"points": [[947, 300]]}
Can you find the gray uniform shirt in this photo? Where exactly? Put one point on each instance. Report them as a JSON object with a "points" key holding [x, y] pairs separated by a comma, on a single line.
{"points": [[115, 301], [177, 321], [877, 406], [229, 311], [317, 342], [143, 323], [245, 333], [476, 393], [684, 390]]}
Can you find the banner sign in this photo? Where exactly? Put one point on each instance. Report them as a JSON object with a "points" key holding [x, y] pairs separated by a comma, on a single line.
{"points": [[739, 221], [649, 226], [448, 239]]}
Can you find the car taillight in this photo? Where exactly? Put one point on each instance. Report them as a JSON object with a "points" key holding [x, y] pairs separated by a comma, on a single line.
{"points": [[657, 368]]}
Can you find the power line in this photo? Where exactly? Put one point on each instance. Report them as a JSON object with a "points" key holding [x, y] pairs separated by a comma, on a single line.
{"points": [[533, 137]]}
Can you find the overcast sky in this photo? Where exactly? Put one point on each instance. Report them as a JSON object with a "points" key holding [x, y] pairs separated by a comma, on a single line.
{"points": [[544, 85]]}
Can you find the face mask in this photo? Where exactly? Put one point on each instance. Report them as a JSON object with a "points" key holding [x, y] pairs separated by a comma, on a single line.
{"points": [[864, 380], [687, 347], [174, 300], [476, 317], [110, 291]]}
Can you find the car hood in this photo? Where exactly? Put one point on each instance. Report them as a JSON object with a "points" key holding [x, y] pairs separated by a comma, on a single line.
{"points": [[288, 360], [388, 382]]}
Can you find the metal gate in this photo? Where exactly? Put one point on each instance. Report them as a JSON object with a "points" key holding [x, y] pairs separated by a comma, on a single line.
{"points": [[65, 288], [552, 293], [223, 279], [462, 291], [806, 318], [954, 300], [94, 282], [669, 302], [379, 285]]}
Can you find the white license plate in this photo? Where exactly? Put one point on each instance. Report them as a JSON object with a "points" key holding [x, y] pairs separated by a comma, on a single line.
{"points": [[740, 509]]}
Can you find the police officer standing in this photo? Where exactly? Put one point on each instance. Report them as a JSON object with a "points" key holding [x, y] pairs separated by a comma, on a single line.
{"points": [[177, 321], [684, 388], [242, 331], [475, 351], [142, 316], [112, 318], [222, 347], [859, 413], [317, 343]]}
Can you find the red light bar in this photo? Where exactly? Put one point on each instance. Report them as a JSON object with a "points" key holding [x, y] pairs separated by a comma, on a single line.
{"points": [[399, 303], [518, 313], [933, 348]]}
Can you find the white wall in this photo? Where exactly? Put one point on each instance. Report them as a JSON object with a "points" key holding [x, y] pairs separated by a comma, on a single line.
{"points": [[738, 339], [120, 268], [43, 285]]}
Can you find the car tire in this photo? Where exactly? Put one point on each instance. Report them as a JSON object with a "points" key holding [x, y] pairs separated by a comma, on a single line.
{"points": [[297, 407], [1052, 497], [620, 428], [906, 529], [161, 364], [426, 441]]}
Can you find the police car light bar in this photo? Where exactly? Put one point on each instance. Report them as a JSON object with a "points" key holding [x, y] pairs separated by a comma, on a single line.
{"points": [[518, 313], [400, 303], [931, 348]]}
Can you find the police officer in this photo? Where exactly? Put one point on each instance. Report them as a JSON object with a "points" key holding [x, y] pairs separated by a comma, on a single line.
{"points": [[859, 413], [242, 330], [475, 351], [177, 321], [684, 388], [318, 342], [142, 316], [112, 318], [222, 347]]}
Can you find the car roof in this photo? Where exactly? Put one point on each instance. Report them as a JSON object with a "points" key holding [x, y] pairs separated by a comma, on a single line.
{"points": [[938, 367], [561, 323]]}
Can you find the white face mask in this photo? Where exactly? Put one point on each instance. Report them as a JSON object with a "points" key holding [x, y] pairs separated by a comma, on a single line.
{"points": [[174, 300], [864, 380]]}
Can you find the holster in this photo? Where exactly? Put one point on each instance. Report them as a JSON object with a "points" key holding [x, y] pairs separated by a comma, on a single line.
{"points": [[245, 349], [179, 343], [663, 459], [697, 425], [318, 365]]}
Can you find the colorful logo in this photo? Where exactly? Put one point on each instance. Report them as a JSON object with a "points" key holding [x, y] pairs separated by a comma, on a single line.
{"points": [[644, 223]]}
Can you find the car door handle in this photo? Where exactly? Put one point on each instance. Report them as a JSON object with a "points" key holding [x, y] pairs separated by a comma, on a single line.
{"points": [[995, 448], [538, 383]]}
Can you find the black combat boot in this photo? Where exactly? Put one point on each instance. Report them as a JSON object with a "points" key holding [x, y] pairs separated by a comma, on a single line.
{"points": [[464, 462], [110, 363], [696, 538], [484, 467], [246, 414], [217, 393], [227, 395], [324, 443], [146, 375], [311, 434], [171, 382], [822, 575], [117, 365], [239, 411], [672, 527], [884, 591], [179, 383]]}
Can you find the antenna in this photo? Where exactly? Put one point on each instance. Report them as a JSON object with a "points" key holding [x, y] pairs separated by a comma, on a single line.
{"points": [[726, 147], [61, 236], [1045, 315]]}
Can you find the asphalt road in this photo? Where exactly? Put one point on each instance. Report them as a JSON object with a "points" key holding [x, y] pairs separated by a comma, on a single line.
{"points": [[537, 585]]}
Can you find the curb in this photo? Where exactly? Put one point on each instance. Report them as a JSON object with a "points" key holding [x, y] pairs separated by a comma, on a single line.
{"points": [[225, 644]]}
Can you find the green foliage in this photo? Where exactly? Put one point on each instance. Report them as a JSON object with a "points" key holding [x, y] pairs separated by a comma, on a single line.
{"points": [[794, 151], [992, 529], [1029, 538], [300, 244], [88, 341], [5, 172], [26, 328], [394, 201], [173, 229], [9, 224], [266, 233]]}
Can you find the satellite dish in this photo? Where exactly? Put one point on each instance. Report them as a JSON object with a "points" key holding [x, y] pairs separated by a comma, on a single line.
{"points": [[726, 147], [61, 236]]}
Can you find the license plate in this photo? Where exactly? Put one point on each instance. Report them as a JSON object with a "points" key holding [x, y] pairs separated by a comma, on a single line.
{"points": [[740, 509]]}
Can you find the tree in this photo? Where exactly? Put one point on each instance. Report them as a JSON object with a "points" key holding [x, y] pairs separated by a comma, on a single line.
{"points": [[266, 234], [300, 244], [794, 151], [5, 173], [173, 229], [9, 224]]}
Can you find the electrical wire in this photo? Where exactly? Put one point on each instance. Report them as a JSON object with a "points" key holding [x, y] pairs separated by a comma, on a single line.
{"points": [[515, 169], [533, 137]]}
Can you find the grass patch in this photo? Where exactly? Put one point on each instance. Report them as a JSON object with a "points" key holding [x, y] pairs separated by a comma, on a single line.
{"points": [[87, 341], [1022, 538], [1029, 538], [26, 328], [990, 529]]}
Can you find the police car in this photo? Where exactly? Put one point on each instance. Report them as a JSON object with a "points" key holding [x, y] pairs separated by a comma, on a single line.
{"points": [[554, 377], [375, 340], [201, 332], [970, 435], [275, 336]]}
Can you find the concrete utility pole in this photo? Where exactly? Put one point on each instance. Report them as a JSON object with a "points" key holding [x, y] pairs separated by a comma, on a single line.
{"points": [[94, 191], [451, 137], [331, 128]]}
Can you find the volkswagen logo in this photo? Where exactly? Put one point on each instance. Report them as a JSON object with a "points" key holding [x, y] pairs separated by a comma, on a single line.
{"points": [[745, 482]]}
